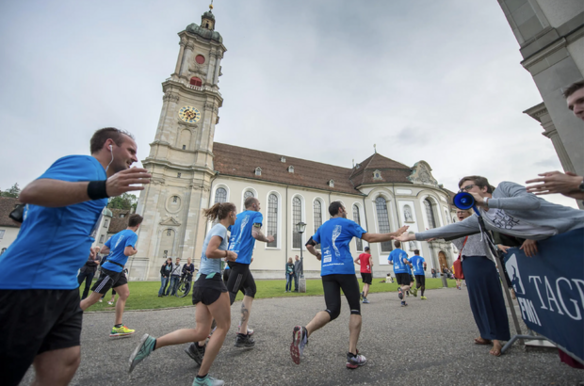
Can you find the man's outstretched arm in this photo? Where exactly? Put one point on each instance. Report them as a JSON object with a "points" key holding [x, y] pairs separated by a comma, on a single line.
{"points": [[382, 237], [256, 233]]}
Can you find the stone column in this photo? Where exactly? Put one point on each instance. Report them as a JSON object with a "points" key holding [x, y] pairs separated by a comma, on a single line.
{"points": [[188, 53], [180, 58]]}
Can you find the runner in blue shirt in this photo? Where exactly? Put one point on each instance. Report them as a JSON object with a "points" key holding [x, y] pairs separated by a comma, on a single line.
{"points": [[338, 272], [39, 295], [399, 258], [120, 246], [244, 233], [419, 266]]}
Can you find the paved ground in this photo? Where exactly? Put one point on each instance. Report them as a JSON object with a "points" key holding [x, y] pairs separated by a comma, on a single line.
{"points": [[428, 343]]}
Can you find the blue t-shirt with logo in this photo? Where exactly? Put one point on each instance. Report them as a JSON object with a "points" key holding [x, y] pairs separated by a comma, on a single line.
{"points": [[209, 266], [117, 244], [53, 243], [241, 241], [418, 263], [397, 257], [334, 237]]}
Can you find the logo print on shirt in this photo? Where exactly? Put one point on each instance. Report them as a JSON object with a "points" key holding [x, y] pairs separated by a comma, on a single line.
{"points": [[503, 220], [336, 234], [119, 241], [243, 224]]}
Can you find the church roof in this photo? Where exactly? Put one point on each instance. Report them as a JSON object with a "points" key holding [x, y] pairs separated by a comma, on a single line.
{"points": [[242, 162], [204, 33], [6, 206], [390, 171]]}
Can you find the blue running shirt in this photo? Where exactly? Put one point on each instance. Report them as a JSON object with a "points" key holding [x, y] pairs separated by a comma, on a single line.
{"points": [[396, 257], [117, 244], [418, 263], [53, 243], [241, 241], [334, 237], [209, 266]]}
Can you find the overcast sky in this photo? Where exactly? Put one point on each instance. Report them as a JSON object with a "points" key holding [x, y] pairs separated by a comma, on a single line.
{"points": [[438, 81]]}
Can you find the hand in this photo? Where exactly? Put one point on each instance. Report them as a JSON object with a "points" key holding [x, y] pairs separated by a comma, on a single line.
{"points": [[318, 256], [270, 239], [555, 182], [92, 253], [479, 201], [529, 247], [231, 256], [122, 181], [399, 232], [406, 237], [503, 248], [432, 239]]}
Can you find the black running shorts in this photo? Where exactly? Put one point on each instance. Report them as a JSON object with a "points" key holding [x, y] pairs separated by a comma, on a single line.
{"points": [[109, 279], [208, 290], [403, 278], [421, 280], [240, 278], [332, 285], [32, 322], [367, 277]]}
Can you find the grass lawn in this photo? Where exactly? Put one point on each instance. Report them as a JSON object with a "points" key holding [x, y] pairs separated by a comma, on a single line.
{"points": [[144, 294]]}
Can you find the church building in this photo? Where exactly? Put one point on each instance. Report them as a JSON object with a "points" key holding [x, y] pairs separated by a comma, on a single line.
{"points": [[190, 172]]}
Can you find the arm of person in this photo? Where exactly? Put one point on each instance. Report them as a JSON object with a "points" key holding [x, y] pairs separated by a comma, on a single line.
{"points": [[256, 233], [468, 226], [105, 250], [310, 246], [371, 261], [130, 251], [382, 237], [213, 251], [510, 196], [58, 193], [529, 247], [567, 184], [425, 265], [357, 261]]}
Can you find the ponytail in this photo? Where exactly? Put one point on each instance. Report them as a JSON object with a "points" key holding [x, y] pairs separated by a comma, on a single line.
{"points": [[219, 211]]}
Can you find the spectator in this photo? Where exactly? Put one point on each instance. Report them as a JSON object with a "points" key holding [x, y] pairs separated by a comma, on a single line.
{"points": [[289, 274], [174, 277], [187, 271], [434, 274], [165, 271], [87, 272], [297, 272]]}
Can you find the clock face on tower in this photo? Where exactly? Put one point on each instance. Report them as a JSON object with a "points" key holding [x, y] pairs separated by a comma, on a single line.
{"points": [[189, 114]]}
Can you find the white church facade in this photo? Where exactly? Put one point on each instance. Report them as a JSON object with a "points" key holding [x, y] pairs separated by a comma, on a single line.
{"points": [[191, 172]]}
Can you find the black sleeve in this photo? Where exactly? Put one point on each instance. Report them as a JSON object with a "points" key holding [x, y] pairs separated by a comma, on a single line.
{"points": [[162, 269], [310, 242]]}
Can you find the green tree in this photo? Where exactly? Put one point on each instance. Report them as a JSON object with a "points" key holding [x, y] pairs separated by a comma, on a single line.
{"points": [[126, 201], [14, 191]]}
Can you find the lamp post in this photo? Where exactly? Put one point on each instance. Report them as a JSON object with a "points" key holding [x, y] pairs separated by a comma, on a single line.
{"points": [[300, 228]]}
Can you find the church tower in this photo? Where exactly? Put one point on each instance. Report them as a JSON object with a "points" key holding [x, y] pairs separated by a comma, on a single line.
{"points": [[181, 155]]}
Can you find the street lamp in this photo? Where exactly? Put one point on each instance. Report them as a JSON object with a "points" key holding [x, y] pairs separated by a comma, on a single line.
{"points": [[300, 228]]}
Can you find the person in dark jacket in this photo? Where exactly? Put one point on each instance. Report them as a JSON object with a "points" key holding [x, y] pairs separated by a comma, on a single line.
{"points": [[289, 274], [87, 272], [165, 271], [187, 272]]}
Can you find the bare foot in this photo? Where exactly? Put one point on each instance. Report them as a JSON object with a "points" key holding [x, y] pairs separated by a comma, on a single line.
{"points": [[496, 350], [482, 341]]}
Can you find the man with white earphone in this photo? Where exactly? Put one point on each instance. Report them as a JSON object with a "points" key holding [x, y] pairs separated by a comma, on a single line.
{"points": [[40, 317]]}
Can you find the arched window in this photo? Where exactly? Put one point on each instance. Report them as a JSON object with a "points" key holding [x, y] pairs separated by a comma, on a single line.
{"points": [[273, 219], [196, 81], [383, 221], [317, 206], [296, 218], [247, 194], [357, 219], [221, 195], [430, 213]]}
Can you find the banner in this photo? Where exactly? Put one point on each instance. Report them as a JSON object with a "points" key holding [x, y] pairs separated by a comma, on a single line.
{"points": [[550, 289]]}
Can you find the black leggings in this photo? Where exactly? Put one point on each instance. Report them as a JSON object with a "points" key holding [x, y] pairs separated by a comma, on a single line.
{"points": [[240, 278], [332, 285]]}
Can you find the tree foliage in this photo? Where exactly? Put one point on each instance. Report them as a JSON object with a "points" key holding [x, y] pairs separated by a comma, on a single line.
{"points": [[126, 201], [14, 191]]}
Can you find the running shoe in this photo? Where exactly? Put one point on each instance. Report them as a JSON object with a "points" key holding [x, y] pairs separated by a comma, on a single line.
{"points": [[196, 352], [249, 330], [144, 348], [414, 291], [121, 331], [403, 303], [362, 296], [208, 381], [365, 301], [408, 293], [244, 341], [400, 294], [423, 298], [354, 361], [299, 341]]}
